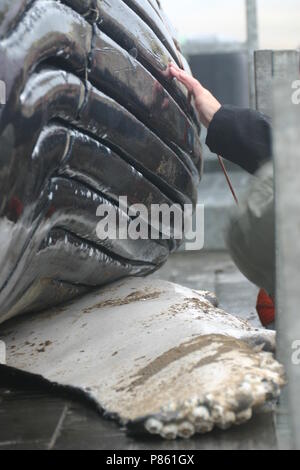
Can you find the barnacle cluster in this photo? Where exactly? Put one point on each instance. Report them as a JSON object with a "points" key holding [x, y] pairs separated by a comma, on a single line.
{"points": [[232, 407]]}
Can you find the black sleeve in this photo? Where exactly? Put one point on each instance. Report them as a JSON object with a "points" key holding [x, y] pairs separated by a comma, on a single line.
{"points": [[242, 136]]}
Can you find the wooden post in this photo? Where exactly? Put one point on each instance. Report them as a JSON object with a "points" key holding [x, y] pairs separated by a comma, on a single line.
{"points": [[252, 45], [270, 66], [275, 74], [286, 121]]}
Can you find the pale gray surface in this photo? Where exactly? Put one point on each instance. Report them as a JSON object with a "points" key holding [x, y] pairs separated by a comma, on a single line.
{"points": [[275, 72], [215, 272], [263, 81], [28, 417], [269, 66], [253, 44], [218, 201], [170, 331], [287, 176]]}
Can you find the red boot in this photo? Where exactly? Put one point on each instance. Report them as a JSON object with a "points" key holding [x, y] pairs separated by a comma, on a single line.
{"points": [[265, 308]]}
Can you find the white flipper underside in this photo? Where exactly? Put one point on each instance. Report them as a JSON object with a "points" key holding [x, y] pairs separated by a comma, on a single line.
{"points": [[154, 355]]}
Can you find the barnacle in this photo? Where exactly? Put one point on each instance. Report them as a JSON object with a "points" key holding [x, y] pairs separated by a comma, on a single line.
{"points": [[172, 364]]}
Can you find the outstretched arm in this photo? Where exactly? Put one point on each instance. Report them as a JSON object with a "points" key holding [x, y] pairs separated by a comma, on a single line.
{"points": [[242, 136], [207, 105]]}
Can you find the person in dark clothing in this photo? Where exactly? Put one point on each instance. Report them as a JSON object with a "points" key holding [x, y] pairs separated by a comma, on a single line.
{"points": [[244, 137]]}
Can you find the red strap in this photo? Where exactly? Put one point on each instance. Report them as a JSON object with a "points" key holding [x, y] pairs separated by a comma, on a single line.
{"points": [[221, 161]]}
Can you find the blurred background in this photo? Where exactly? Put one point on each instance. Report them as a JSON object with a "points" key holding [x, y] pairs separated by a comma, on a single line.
{"points": [[279, 21], [219, 39]]}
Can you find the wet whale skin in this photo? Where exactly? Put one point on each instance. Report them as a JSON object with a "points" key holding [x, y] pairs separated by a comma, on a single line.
{"points": [[90, 115]]}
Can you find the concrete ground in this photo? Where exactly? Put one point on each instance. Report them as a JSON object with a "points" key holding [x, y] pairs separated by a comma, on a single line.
{"points": [[32, 418]]}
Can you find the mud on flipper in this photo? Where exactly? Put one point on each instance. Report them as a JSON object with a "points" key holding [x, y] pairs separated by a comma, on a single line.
{"points": [[172, 364]]}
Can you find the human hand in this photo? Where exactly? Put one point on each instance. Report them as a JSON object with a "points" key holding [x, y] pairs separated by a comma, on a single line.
{"points": [[207, 105]]}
